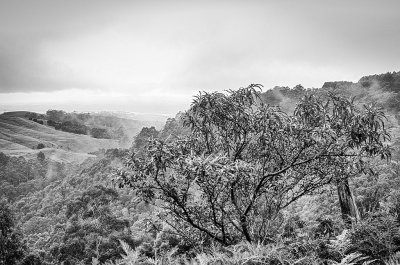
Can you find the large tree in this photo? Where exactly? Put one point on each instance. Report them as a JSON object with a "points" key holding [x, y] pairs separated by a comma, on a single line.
{"points": [[245, 161]]}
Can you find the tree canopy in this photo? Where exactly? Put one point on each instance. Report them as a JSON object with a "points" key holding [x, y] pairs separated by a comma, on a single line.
{"points": [[12, 249], [245, 161]]}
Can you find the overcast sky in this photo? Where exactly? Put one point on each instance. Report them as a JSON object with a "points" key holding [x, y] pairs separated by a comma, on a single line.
{"points": [[153, 56]]}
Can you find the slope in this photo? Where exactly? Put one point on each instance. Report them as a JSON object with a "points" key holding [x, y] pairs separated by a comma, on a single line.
{"points": [[20, 137]]}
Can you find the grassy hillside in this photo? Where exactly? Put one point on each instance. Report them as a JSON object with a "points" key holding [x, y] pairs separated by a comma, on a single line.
{"points": [[19, 136]]}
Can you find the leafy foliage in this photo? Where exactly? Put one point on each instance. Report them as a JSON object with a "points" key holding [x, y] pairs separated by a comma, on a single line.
{"points": [[40, 156], [377, 237], [12, 248], [245, 161], [91, 230], [104, 127], [188, 193], [144, 135]]}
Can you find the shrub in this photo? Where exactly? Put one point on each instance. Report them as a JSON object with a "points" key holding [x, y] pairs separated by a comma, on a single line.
{"points": [[73, 127], [377, 237], [41, 157], [243, 253], [100, 133], [31, 259]]}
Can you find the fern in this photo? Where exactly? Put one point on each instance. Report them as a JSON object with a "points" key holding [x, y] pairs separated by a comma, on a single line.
{"points": [[355, 259]]}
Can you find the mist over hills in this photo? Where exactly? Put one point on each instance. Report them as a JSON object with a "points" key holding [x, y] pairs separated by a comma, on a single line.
{"points": [[69, 209], [153, 117], [21, 132]]}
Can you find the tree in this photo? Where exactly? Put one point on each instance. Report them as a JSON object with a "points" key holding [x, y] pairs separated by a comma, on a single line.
{"points": [[144, 135], [56, 115], [40, 156], [173, 128], [244, 161], [100, 133], [11, 247], [348, 206], [76, 127], [92, 230]]}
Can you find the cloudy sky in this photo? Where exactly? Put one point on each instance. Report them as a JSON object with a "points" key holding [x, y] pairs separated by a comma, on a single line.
{"points": [[153, 56]]}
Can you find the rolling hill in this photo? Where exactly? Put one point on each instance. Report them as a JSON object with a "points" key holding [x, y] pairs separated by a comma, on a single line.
{"points": [[20, 137]]}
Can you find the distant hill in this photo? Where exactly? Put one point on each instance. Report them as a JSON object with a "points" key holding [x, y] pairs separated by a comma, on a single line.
{"points": [[21, 114], [158, 119], [130, 125], [20, 137]]}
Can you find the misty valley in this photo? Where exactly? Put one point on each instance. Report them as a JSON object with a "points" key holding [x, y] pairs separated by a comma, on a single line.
{"points": [[244, 176]]}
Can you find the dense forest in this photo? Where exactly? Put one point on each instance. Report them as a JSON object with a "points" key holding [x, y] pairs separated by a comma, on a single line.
{"points": [[287, 176]]}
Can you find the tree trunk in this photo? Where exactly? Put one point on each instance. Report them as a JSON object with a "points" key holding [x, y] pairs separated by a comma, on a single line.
{"points": [[245, 231], [347, 202]]}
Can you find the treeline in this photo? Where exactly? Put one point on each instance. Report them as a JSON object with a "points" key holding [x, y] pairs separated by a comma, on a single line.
{"points": [[382, 89], [104, 127]]}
